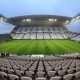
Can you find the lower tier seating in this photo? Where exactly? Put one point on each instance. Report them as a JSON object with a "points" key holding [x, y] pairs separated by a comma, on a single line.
{"points": [[46, 68]]}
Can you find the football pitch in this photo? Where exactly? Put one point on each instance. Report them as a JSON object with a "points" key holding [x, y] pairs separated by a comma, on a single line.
{"points": [[40, 46]]}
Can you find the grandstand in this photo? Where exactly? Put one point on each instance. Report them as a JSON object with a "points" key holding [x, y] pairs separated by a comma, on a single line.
{"points": [[49, 30], [77, 38], [39, 27], [40, 68]]}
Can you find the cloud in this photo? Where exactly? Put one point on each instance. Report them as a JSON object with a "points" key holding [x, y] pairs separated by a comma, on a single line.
{"points": [[74, 26], [5, 27], [11, 8]]}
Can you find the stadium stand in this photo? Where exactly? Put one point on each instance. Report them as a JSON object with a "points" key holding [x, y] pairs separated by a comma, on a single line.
{"points": [[40, 68], [38, 32], [76, 38], [42, 32], [46, 35], [5, 37], [40, 27]]}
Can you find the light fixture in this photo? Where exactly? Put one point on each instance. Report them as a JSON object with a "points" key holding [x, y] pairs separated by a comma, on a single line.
{"points": [[55, 20], [52, 19], [78, 17], [28, 20], [67, 21], [1, 19], [24, 20]]}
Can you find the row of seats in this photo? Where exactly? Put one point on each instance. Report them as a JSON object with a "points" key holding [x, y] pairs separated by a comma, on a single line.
{"points": [[38, 36], [27, 29], [42, 32], [45, 68], [76, 38], [42, 35]]}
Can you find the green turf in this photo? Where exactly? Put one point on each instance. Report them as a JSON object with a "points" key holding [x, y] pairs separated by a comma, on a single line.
{"points": [[40, 46]]}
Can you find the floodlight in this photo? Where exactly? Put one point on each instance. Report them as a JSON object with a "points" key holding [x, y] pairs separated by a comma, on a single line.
{"points": [[51, 19], [55, 20], [78, 17], [28, 20]]}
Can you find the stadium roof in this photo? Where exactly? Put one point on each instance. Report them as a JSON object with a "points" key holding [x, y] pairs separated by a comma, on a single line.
{"points": [[2, 16], [76, 15], [40, 16], [38, 20]]}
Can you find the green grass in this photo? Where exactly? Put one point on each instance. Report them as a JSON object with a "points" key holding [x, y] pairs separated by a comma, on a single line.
{"points": [[40, 46]]}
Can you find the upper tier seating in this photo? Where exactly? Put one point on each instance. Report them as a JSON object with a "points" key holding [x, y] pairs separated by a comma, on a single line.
{"points": [[38, 32], [27, 29], [43, 32]]}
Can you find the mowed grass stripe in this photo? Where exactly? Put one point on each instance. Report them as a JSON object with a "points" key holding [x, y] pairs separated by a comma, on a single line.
{"points": [[51, 47], [72, 46], [59, 47], [37, 48], [62, 48], [14, 46], [22, 48], [68, 47], [40, 46]]}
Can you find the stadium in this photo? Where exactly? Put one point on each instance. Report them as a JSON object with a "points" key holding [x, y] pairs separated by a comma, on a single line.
{"points": [[47, 37], [39, 46], [47, 33]]}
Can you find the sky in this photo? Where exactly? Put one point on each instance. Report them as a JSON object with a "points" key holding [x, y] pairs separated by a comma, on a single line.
{"points": [[11, 8], [74, 26]]}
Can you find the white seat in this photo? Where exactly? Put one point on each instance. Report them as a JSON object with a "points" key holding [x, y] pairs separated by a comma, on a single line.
{"points": [[40, 74], [51, 73], [26, 78], [68, 77], [3, 76], [40, 78], [55, 78], [13, 77], [77, 75]]}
